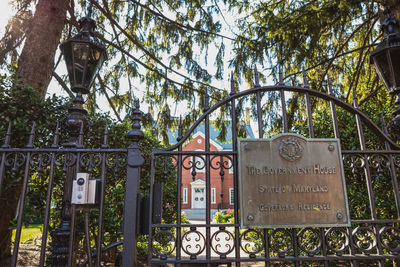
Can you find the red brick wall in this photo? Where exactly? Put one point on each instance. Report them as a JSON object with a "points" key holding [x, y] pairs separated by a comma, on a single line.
{"points": [[215, 176]]}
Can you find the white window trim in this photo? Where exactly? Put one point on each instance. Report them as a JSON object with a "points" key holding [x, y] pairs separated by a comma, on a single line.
{"points": [[185, 196], [231, 199], [213, 195]]}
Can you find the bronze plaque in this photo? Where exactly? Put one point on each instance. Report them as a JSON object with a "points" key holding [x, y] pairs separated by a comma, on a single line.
{"points": [[291, 181]]}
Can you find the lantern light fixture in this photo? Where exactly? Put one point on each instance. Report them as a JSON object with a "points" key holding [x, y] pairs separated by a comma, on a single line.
{"points": [[84, 55]]}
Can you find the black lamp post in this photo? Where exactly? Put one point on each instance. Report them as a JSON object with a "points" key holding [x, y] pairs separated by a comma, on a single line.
{"points": [[84, 55], [386, 58]]}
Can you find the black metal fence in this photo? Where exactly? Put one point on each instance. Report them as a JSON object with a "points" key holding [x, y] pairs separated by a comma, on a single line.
{"points": [[71, 233], [371, 169]]}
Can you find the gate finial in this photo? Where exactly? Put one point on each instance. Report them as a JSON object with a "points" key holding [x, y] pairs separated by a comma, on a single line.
{"points": [[206, 100], [330, 88], [256, 78], [31, 136], [180, 131], [136, 134], [233, 91], [8, 137], [105, 137], [280, 76], [355, 99], [305, 81], [56, 136], [384, 128]]}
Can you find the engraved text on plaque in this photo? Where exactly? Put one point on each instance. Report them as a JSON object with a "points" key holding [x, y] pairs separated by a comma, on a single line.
{"points": [[291, 181]]}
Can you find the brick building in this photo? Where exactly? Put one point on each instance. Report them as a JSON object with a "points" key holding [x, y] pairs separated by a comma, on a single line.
{"points": [[194, 175]]}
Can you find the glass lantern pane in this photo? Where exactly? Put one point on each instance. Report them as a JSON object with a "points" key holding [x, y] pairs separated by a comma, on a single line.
{"points": [[81, 54], [383, 69], [395, 57], [94, 63], [67, 52]]}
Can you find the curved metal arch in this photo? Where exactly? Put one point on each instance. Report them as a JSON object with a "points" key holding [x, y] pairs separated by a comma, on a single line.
{"points": [[369, 123]]}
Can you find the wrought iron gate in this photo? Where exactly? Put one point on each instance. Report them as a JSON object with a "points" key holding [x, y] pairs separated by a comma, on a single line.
{"points": [[371, 170], [371, 163]]}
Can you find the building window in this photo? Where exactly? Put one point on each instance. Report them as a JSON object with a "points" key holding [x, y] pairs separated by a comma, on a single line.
{"points": [[185, 196], [213, 196], [231, 196]]}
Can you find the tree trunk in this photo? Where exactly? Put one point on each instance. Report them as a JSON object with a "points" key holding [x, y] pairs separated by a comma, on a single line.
{"points": [[36, 62], [35, 67]]}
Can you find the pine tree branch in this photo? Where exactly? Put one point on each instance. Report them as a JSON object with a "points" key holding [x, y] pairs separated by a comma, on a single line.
{"points": [[103, 89], [373, 93], [340, 49], [180, 25], [141, 47], [119, 43], [329, 59], [63, 85], [161, 74]]}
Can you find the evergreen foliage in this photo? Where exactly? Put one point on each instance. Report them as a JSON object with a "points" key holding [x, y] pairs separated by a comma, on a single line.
{"points": [[171, 51]]}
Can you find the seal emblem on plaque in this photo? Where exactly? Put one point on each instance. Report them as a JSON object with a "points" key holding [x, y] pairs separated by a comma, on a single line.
{"points": [[290, 149]]}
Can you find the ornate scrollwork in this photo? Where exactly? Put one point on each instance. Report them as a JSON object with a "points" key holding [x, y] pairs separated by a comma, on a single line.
{"points": [[337, 240], [163, 243], [193, 242], [354, 162], [15, 160], [281, 242], [309, 241], [396, 159], [364, 239], [220, 162], [390, 239], [90, 161], [379, 162], [40, 160], [251, 242], [117, 161], [195, 162], [66, 159], [222, 242]]}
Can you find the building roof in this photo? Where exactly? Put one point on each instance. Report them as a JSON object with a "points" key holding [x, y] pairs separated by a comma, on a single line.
{"points": [[214, 132]]}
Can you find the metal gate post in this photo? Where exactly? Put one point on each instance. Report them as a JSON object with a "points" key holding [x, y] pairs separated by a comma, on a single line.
{"points": [[131, 202], [74, 123]]}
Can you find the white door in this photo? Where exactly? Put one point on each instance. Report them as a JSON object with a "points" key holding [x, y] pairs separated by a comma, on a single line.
{"points": [[199, 198]]}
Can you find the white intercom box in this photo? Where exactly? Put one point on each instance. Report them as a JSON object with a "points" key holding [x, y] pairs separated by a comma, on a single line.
{"points": [[80, 188], [85, 190]]}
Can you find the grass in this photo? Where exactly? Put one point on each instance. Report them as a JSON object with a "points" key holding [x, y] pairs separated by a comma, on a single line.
{"points": [[29, 233]]}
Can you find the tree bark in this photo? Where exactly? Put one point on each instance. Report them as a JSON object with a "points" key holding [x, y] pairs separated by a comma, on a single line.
{"points": [[36, 62], [35, 68]]}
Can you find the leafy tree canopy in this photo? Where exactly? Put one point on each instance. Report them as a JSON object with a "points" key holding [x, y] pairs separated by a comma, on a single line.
{"points": [[171, 51]]}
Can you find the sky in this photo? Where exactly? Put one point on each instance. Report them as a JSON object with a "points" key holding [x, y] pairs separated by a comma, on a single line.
{"points": [[5, 14]]}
